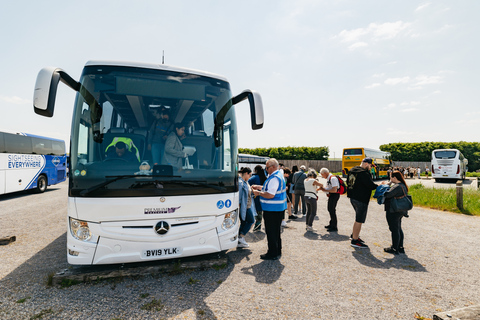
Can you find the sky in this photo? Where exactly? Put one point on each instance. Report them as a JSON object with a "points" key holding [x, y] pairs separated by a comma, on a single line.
{"points": [[331, 73]]}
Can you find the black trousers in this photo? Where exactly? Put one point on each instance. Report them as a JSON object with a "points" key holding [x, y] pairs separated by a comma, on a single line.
{"points": [[273, 226], [395, 225], [332, 208], [300, 195]]}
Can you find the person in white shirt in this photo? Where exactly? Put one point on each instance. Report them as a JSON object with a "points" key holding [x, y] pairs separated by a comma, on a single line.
{"points": [[331, 189], [311, 188]]}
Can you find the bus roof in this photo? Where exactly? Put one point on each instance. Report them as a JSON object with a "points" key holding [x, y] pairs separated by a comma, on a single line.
{"points": [[152, 66]]}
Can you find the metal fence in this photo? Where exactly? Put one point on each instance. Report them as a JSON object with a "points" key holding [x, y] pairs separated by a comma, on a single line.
{"points": [[336, 165], [333, 166]]}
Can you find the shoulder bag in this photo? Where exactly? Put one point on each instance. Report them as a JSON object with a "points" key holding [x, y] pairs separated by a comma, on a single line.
{"points": [[401, 204]]}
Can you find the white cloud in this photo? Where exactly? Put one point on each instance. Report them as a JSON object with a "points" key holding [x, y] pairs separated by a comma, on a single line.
{"points": [[409, 110], [373, 85], [373, 32], [390, 106], [423, 80], [378, 75], [423, 6], [467, 122], [411, 103], [395, 81], [15, 100], [357, 45]]}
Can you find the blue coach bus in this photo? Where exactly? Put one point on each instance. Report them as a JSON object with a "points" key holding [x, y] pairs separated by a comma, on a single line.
{"points": [[30, 162]]}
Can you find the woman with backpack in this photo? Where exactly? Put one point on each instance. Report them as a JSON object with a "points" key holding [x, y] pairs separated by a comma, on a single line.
{"points": [[312, 186], [394, 219]]}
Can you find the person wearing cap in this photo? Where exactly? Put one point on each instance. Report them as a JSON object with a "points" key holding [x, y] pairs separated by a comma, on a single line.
{"points": [[360, 186], [299, 189]]}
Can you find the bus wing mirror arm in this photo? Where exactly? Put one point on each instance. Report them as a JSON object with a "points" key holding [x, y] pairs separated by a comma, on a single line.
{"points": [[46, 89], [256, 107]]}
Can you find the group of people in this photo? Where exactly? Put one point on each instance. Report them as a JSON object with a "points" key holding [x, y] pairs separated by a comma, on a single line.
{"points": [[164, 142], [409, 172], [269, 194]]}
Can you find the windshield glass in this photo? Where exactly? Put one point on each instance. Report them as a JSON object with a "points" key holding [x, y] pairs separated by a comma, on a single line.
{"points": [[147, 132], [445, 154]]}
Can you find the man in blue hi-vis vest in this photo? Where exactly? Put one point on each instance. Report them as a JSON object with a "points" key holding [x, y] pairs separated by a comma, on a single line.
{"points": [[273, 198]]}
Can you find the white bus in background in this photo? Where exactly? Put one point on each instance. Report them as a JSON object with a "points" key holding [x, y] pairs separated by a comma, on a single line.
{"points": [[119, 211], [448, 164], [251, 161]]}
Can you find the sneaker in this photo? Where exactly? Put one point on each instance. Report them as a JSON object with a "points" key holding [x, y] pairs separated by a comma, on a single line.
{"points": [[310, 229], [292, 217], [358, 244], [242, 243], [257, 227], [284, 224], [390, 250], [331, 229], [351, 238], [401, 250]]}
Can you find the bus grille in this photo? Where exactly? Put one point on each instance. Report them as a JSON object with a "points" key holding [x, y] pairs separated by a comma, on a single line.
{"points": [[60, 174], [445, 162]]}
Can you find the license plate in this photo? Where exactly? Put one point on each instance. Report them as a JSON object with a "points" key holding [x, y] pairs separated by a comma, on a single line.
{"points": [[165, 252]]}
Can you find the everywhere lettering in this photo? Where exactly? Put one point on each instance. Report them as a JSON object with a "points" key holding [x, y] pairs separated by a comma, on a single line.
{"points": [[20, 161]]}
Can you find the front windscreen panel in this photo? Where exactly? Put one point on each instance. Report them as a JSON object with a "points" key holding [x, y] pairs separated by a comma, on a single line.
{"points": [[144, 132], [445, 154]]}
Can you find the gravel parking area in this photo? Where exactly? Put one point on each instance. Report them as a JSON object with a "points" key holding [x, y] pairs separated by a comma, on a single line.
{"points": [[319, 275]]}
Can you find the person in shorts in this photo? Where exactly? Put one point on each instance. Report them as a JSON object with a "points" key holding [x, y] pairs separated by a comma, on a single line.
{"points": [[360, 186]]}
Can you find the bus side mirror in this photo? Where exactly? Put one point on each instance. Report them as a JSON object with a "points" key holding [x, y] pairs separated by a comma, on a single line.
{"points": [[256, 107], [46, 89]]}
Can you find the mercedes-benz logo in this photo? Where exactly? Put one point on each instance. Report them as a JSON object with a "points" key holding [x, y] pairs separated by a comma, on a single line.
{"points": [[162, 199], [162, 227]]}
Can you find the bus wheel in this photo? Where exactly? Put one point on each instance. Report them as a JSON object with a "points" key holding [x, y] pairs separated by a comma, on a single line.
{"points": [[41, 184]]}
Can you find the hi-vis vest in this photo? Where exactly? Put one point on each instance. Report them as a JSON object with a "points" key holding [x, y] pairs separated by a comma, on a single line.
{"points": [[128, 142], [279, 202]]}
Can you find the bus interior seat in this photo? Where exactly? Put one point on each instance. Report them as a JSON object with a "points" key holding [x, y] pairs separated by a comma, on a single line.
{"points": [[116, 130], [141, 131], [205, 150]]}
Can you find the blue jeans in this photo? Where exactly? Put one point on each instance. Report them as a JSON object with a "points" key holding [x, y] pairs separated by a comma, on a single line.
{"points": [[247, 224], [157, 153]]}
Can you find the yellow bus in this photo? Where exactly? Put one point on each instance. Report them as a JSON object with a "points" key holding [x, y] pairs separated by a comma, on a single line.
{"points": [[353, 157]]}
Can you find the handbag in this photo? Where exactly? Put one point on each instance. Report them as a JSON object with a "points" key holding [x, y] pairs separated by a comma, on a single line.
{"points": [[403, 203]]}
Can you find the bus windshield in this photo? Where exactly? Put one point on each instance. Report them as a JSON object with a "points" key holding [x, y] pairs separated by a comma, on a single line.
{"points": [[152, 132], [445, 154]]}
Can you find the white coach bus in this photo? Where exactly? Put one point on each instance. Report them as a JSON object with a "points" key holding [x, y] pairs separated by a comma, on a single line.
{"points": [[130, 210], [448, 164]]}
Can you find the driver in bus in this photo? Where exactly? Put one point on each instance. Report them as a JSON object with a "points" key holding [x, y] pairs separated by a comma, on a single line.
{"points": [[121, 152]]}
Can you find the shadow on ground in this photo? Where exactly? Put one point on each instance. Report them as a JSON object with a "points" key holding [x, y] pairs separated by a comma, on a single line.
{"points": [[401, 261]]}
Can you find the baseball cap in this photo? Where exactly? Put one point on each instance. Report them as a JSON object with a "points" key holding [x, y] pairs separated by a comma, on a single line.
{"points": [[303, 167], [368, 160]]}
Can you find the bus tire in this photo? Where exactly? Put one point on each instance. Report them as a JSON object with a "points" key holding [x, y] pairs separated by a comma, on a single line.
{"points": [[41, 184]]}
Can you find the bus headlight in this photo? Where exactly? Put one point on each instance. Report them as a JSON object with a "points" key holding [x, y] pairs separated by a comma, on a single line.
{"points": [[230, 220], [80, 230]]}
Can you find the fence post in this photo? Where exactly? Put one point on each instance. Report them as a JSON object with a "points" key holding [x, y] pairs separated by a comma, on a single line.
{"points": [[460, 194]]}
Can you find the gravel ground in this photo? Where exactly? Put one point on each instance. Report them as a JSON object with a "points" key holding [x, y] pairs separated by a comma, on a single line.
{"points": [[319, 275]]}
